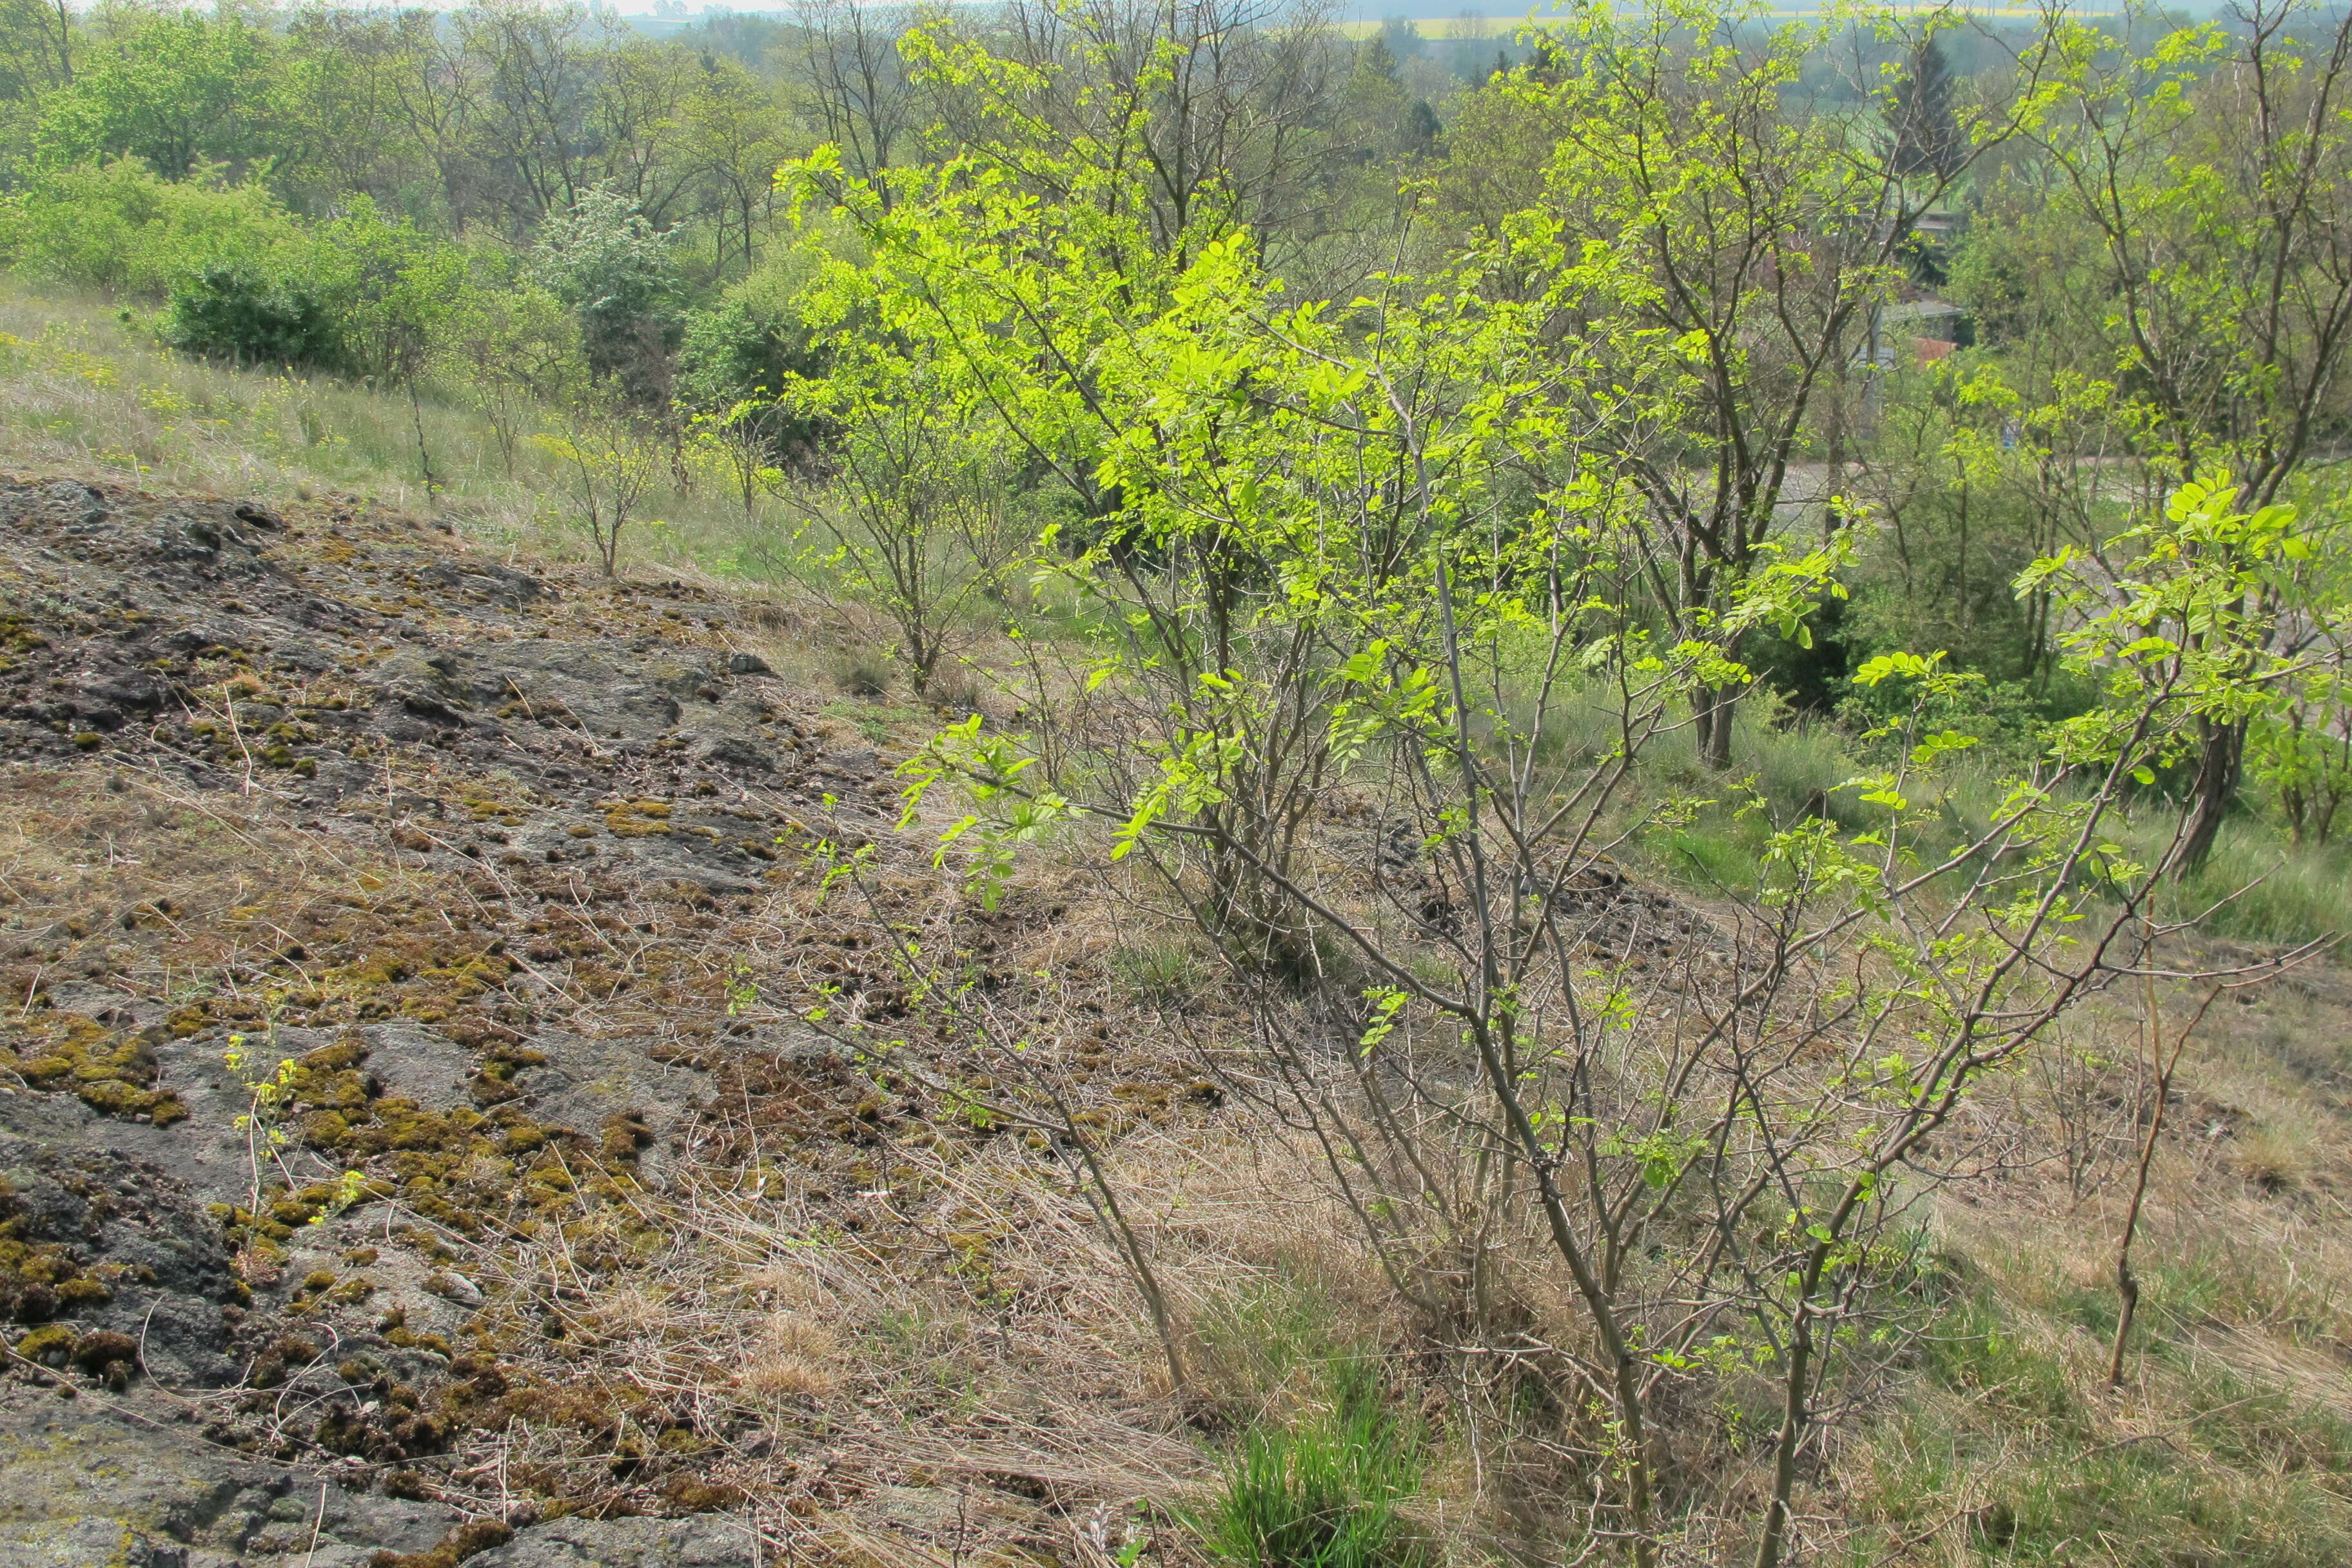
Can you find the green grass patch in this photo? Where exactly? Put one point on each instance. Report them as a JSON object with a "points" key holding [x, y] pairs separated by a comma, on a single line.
{"points": [[1160, 971], [1322, 1492], [2010, 1447], [879, 722], [2257, 887]]}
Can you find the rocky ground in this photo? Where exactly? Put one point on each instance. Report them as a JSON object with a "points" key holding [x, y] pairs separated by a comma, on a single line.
{"points": [[394, 943]]}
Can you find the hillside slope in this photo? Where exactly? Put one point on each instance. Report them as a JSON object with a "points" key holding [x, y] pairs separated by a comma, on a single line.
{"points": [[425, 1135], [329, 848]]}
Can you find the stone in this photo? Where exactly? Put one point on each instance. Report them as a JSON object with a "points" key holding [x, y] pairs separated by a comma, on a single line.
{"points": [[96, 1485], [489, 580], [702, 1541], [172, 1276], [549, 780]]}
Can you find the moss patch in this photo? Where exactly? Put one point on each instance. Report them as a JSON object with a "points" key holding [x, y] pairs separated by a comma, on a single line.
{"points": [[109, 1070]]}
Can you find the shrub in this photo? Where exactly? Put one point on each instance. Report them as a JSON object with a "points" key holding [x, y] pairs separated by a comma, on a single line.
{"points": [[2304, 752], [609, 462], [863, 671], [236, 314], [121, 229], [620, 275], [736, 354], [1160, 972]]}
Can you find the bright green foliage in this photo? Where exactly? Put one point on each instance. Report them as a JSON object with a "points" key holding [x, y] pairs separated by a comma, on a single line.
{"points": [[2203, 183], [2189, 196], [919, 518], [2178, 622], [1744, 241], [1268, 494], [122, 229], [1390, 542], [1376, 589], [1271, 495], [172, 89], [2303, 749]]}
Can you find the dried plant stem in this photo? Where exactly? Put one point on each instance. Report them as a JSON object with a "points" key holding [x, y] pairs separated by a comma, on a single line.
{"points": [[1065, 1128], [2164, 1064]]}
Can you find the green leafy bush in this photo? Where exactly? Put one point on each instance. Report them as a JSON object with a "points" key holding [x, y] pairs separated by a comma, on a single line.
{"points": [[736, 360], [120, 228], [236, 314], [620, 274]]}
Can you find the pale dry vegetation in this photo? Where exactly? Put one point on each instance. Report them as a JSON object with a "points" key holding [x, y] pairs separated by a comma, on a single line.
{"points": [[969, 1332], [86, 388]]}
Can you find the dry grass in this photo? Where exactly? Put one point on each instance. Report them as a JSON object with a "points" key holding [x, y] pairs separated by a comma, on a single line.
{"points": [[84, 391], [133, 881], [923, 1348], [88, 390], [2228, 1441], [1001, 1375]]}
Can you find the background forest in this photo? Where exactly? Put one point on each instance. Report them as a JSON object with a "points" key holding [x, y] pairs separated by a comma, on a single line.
{"points": [[1363, 499]]}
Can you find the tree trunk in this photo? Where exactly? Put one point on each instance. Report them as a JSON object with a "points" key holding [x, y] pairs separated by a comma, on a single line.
{"points": [[1712, 707], [2221, 762], [1794, 1419]]}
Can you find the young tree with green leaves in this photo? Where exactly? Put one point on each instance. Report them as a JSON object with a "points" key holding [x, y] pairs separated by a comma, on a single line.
{"points": [[2205, 183], [2302, 749], [509, 349], [1755, 233], [914, 511], [396, 290], [609, 461], [1380, 561]]}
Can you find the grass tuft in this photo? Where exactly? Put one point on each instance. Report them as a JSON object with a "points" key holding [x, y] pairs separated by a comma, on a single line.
{"points": [[1322, 1492]]}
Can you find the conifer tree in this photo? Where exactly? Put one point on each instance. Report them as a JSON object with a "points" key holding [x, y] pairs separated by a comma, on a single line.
{"points": [[1926, 133]]}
